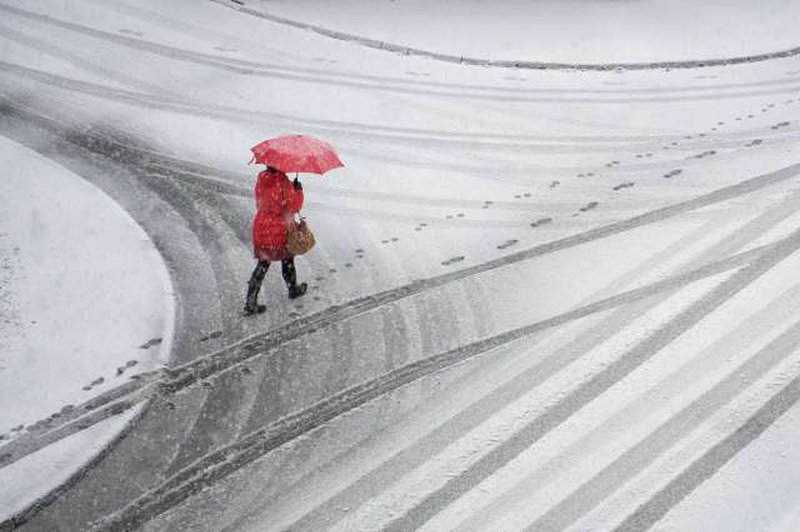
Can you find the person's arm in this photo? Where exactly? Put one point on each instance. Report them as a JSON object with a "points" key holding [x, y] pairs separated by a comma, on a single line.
{"points": [[296, 196]]}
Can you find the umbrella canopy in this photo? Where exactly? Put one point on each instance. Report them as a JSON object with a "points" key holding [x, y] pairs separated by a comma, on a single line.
{"points": [[297, 153]]}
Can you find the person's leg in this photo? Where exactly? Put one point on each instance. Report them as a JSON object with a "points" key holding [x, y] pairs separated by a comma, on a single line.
{"points": [[254, 286], [290, 277]]}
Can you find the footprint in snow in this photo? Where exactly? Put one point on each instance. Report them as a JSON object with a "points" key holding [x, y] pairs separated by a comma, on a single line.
{"points": [[623, 185], [130, 364], [211, 336], [754, 142], [554, 184], [452, 260], [703, 155], [541, 221], [589, 206], [673, 173], [150, 343], [507, 244]]}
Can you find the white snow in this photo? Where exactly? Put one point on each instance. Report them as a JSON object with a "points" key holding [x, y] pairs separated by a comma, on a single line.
{"points": [[83, 290], [447, 166], [599, 31]]}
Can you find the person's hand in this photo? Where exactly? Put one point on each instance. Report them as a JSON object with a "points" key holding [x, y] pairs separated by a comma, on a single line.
{"points": [[297, 184]]}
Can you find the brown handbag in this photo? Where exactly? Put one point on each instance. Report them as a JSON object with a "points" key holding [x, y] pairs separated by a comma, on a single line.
{"points": [[300, 239]]}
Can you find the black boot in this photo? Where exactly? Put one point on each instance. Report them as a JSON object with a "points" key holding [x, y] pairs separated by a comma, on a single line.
{"points": [[297, 290], [290, 277], [251, 305]]}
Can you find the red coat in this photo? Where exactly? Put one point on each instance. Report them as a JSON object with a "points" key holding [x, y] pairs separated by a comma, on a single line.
{"points": [[277, 201]]}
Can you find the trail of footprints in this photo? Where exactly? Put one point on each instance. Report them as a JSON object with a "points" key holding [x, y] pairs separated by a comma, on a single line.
{"points": [[48, 422], [591, 206]]}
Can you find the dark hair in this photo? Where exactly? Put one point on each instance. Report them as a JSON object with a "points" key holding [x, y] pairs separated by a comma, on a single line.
{"points": [[274, 170]]}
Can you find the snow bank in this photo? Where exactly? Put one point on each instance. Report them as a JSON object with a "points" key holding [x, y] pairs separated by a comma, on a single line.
{"points": [[85, 303]]}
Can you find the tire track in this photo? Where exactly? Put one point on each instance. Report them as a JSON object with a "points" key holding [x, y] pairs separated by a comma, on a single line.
{"points": [[202, 368], [532, 377], [363, 132], [44, 47], [606, 329], [153, 17], [536, 480], [645, 452], [714, 459], [515, 64], [187, 374], [229, 459], [555, 415], [386, 84], [397, 136]]}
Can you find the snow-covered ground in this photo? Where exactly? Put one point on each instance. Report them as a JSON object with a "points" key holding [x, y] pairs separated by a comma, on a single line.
{"points": [[599, 31], [541, 299], [86, 304]]}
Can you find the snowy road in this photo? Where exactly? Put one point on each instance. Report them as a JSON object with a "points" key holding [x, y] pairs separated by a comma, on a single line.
{"points": [[541, 300]]}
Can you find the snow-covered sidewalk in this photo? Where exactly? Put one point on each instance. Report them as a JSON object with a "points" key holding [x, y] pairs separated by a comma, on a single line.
{"points": [[85, 303]]}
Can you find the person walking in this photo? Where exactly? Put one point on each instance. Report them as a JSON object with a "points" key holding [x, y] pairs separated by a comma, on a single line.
{"points": [[277, 201]]}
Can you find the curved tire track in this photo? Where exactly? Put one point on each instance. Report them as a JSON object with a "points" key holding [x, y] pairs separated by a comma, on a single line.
{"points": [[387, 84], [187, 374], [516, 64], [224, 461]]}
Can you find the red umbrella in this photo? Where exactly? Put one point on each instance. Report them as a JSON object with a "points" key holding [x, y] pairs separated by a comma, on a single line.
{"points": [[296, 153]]}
